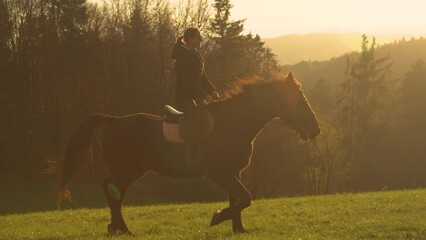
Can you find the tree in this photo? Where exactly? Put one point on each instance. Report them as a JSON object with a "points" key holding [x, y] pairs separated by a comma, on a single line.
{"points": [[361, 102], [323, 161], [6, 99], [192, 13], [409, 127], [164, 37], [321, 97], [228, 50]]}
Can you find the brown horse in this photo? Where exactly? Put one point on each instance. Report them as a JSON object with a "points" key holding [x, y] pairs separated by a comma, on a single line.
{"points": [[134, 144]]}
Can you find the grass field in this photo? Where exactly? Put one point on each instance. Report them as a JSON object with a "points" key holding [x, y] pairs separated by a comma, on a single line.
{"points": [[380, 215]]}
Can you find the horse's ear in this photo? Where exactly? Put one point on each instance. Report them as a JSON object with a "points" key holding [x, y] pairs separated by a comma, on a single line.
{"points": [[290, 78]]}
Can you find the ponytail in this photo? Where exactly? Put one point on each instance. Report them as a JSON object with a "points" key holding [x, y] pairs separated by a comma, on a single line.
{"points": [[180, 41]]}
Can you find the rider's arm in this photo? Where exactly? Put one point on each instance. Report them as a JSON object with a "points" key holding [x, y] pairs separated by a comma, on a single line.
{"points": [[188, 75]]}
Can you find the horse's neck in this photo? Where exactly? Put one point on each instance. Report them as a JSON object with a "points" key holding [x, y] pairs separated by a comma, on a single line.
{"points": [[243, 114]]}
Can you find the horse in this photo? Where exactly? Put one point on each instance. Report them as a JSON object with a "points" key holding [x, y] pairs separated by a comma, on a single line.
{"points": [[134, 144]]}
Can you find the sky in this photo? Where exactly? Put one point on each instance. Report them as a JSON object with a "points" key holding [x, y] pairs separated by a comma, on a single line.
{"points": [[273, 18]]}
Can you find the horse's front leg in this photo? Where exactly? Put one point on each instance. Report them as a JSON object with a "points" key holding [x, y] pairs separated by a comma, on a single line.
{"points": [[240, 199]]}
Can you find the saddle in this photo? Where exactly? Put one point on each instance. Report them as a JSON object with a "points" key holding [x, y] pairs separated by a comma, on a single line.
{"points": [[171, 124], [176, 128], [171, 115]]}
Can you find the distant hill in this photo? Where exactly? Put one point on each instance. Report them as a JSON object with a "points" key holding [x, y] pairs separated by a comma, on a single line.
{"points": [[403, 54], [291, 49]]}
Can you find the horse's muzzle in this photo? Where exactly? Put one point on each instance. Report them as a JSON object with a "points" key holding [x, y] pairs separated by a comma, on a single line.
{"points": [[309, 134]]}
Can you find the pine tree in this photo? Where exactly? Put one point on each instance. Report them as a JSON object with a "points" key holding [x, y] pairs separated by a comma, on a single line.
{"points": [[321, 97], [410, 127], [361, 101], [235, 54], [360, 98], [228, 39], [412, 99]]}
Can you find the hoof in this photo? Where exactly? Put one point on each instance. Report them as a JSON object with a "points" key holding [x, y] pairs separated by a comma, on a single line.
{"points": [[215, 219], [218, 217], [117, 231]]}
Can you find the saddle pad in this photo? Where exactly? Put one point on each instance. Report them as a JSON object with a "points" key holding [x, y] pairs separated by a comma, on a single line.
{"points": [[171, 132]]}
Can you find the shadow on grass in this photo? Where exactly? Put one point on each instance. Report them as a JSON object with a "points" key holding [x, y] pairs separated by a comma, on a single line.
{"points": [[18, 198]]}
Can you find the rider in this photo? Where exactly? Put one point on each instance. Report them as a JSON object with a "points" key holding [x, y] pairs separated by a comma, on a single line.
{"points": [[193, 88]]}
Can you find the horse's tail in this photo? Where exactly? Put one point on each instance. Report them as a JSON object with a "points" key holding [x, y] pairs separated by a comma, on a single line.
{"points": [[77, 152]]}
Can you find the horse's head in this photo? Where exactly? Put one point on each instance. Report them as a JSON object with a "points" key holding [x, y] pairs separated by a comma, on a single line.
{"points": [[285, 99], [296, 111]]}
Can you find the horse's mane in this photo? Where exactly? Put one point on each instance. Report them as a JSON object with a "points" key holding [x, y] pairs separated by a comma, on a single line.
{"points": [[241, 84]]}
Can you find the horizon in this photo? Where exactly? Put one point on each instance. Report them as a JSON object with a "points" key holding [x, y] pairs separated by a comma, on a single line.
{"points": [[351, 33]]}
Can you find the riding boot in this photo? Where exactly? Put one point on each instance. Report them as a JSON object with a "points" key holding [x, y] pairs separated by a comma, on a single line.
{"points": [[191, 133]]}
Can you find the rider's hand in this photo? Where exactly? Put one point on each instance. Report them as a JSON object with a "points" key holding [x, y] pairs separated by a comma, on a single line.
{"points": [[215, 95], [200, 102]]}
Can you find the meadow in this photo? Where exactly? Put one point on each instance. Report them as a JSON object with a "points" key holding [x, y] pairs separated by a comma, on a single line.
{"points": [[374, 215]]}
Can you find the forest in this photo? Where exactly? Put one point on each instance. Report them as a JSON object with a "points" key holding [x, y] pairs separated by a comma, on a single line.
{"points": [[63, 60]]}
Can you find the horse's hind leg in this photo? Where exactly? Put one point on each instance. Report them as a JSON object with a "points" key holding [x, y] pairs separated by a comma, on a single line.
{"points": [[114, 191]]}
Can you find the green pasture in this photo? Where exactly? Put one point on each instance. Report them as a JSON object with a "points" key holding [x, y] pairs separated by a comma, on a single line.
{"points": [[378, 215]]}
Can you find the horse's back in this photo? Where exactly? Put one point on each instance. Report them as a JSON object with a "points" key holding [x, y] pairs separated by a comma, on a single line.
{"points": [[132, 125], [132, 130]]}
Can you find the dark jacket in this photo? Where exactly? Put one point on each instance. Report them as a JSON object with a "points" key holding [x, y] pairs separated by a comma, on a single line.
{"points": [[192, 82]]}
